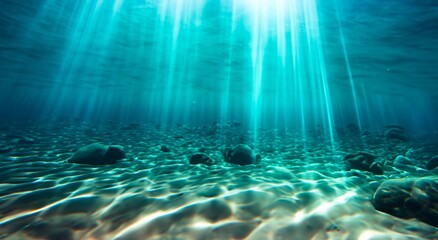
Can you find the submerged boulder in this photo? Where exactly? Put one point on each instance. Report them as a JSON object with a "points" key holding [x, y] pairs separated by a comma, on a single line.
{"points": [[396, 133], [362, 161], [201, 158], [98, 154], [409, 198], [352, 129], [432, 163], [4, 149], [164, 148], [242, 155]]}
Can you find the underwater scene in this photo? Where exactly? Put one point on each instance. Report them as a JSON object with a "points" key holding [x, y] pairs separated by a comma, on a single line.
{"points": [[219, 119]]}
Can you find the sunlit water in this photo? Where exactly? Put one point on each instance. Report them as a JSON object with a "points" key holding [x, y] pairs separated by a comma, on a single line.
{"points": [[303, 82]]}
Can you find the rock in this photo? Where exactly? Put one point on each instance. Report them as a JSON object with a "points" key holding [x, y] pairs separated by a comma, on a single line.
{"points": [[234, 124], [242, 155], [396, 134], [432, 163], [115, 152], [98, 154], [164, 148], [352, 128], [4, 149], [403, 163], [366, 133], [409, 198], [201, 158], [402, 160], [26, 140], [23, 140], [132, 126], [394, 126], [376, 169], [362, 161]]}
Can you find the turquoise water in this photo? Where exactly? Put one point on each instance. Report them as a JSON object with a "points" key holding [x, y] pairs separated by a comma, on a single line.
{"points": [[295, 64], [218, 119]]}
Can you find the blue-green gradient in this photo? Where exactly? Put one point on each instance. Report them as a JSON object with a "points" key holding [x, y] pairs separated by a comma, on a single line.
{"points": [[277, 63]]}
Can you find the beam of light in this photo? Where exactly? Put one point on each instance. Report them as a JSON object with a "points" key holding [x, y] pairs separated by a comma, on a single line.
{"points": [[117, 6], [297, 74], [350, 75], [292, 25], [258, 44], [183, 17], [319, 70], [229, 73]]}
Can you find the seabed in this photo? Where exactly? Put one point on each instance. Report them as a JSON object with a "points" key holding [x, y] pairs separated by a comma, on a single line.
{"points": [[300, 189]]}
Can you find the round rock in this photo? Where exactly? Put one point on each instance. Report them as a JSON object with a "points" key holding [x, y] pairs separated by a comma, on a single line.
{"points": [[409, 198], [98, 154], [242, 155], [432, 163], [201, 158]]}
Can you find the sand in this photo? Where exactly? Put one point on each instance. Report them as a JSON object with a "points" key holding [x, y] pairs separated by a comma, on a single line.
{"points": [[300, 190]]}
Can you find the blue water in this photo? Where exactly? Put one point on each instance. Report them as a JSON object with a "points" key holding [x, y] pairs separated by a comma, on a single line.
{"points": [[218, 119], [296, 64]]}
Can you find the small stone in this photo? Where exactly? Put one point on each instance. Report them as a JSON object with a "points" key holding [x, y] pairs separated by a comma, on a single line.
{"points": [[24, 140], [242, 155], [201, 158], [132, 126], [4, 149], [164, 148], [432, 163], [366, 133], [401, 160], [395, 126], [376, 169], [98, 154], [362, 161], [396, 134], [352, 128]]}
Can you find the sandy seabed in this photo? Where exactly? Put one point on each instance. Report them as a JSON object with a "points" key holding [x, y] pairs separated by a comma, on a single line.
{"points": [[300, 190]]}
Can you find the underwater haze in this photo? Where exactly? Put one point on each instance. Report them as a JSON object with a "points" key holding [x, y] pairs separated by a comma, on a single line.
{"points": [[295, 64], [219, 119]]}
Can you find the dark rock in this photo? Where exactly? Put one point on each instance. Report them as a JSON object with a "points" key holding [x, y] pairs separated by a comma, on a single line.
{"points": [[376, 169], [432, 163], [114, 153], [409, 198], [234, 124], [242, 155], [164, 148], [362, 161], [366, 133], [98, 154], [402, 160], [395, 126], [201, 158], [404, 163], [352, 128], [132, 126], [340, 131], [396, 134], [4, 149], [24, 140]]}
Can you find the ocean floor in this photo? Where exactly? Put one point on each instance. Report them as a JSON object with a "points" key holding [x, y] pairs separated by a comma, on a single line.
{"points": [[301, 189]]}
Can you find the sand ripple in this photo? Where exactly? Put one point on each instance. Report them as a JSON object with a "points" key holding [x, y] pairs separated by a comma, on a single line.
{"points": [[299, 191]]}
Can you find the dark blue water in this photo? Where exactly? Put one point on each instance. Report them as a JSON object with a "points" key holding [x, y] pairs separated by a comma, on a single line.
{"points": [[296, 64]]}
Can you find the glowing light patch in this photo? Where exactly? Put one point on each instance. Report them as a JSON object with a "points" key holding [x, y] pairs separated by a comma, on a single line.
{"points": [[117, 5], [371, 234], [326, 206]]}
